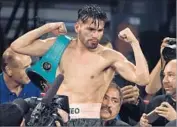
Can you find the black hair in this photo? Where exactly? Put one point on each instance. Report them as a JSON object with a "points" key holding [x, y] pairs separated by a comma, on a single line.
{"points": [[91, 11], [10, 115]]}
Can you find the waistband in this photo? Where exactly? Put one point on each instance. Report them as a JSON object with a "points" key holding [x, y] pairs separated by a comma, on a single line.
{"points": [[91, 110]]}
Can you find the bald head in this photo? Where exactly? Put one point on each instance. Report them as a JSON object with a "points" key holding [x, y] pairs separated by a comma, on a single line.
{"points": [[13, 59], [170, 80], [172, 64]]}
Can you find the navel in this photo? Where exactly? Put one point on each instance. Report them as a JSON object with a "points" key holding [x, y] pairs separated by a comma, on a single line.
{"points": [[62, 71], [92, 77]]}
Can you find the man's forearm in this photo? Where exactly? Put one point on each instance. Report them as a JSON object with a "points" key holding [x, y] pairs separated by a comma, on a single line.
{"points": [[155, 81], [142, 71]]}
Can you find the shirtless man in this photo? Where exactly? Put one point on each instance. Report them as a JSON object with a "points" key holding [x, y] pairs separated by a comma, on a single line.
{"points": [[87, 66]]}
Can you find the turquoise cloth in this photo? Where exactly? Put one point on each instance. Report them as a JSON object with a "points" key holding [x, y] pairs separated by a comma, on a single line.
{"points": [[51, 59]]}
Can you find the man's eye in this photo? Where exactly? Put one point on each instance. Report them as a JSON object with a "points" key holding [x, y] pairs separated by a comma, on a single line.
{"points": [[105, 98], [91, 29], [115, 101], [171, 75]]}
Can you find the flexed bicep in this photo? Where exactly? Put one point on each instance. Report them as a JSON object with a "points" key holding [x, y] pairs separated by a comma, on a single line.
{"points": [[126, 70], [37, 48], [29, 44], [121, 65]]}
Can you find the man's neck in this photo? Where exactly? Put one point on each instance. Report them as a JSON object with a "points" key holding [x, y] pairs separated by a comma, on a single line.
{"points": [[80, 46], [11, 84]]}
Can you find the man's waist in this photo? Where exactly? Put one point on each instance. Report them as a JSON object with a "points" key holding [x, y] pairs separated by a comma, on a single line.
{"points": [[82, 110]]}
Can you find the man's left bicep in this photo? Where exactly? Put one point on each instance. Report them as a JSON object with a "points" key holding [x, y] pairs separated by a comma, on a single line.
{"points": [[126, 70]]}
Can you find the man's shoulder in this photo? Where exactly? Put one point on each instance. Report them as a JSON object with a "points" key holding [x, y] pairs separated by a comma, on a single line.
{"points": [[121, 123], [105, 50], [111, 54], [31, 86], [158, 98], [31, 90], [156, 101], [116, 122], [1, 79]]}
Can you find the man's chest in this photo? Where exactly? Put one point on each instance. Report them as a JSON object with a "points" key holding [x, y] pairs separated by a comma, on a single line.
{"points": [[90, 65]]}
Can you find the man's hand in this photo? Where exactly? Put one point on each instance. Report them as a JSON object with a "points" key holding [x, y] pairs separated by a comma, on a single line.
{"points": [[144, 121], [64, 115], [130, 94], [56, 28], [164, 44], [127, 36], [167, 111]]}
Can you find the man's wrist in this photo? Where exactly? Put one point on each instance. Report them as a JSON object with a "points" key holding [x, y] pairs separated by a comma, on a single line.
{"points": [[134, 41], [42, 30]]}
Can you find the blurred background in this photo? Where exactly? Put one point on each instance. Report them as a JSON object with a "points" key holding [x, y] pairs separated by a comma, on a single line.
{"points": [[150, 21]]}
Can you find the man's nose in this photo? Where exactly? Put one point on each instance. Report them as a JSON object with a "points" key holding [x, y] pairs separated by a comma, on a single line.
{"points": [[95, 34], [165, 79], [108, 103]]}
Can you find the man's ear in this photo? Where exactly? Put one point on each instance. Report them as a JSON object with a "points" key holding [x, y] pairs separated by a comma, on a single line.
{"points": [[8, 71], [76, 27]]}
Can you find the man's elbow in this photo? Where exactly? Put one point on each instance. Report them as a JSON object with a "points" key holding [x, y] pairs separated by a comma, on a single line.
{"points": [[143, 80], [150, 91], [14, 47]]}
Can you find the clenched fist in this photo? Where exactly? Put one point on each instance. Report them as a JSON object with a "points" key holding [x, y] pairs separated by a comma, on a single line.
{"points": [[56, 28], [127, 36]]}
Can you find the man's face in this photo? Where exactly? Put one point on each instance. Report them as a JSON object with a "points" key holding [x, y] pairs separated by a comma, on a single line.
{"points": [[169, 80], [90, 33], [18, 73], [111, 104]]}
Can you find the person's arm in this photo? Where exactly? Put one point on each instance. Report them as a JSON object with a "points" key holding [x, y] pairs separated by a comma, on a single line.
{"points": [[30, 44], [155, 83], [138, 74], [155, 80]]}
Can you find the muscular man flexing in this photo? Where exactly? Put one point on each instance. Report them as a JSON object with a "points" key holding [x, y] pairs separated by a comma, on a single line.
{"points": [[87, 66]]}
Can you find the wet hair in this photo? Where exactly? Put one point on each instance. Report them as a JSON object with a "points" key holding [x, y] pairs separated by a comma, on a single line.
{"points": [[114, 85], [91, 11]]}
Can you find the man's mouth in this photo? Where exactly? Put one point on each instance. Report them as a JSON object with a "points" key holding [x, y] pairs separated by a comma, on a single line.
{"points": [[106, 110], [167, 89], [93, 40]]}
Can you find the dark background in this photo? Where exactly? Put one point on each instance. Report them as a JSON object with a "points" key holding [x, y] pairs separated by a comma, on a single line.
{"points": [[150, 20]]}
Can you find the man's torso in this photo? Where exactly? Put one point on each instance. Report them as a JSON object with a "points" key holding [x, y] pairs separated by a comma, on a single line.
{"points": [[86, 76]]}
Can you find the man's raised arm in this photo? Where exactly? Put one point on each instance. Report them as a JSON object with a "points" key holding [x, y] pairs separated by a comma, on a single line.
{"points": [[138, 74], [30, 44]]}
